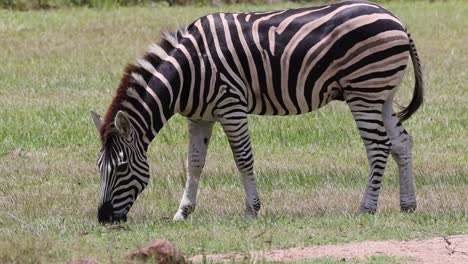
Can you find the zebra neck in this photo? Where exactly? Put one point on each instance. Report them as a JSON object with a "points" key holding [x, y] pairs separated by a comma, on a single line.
{"points": [[149, 112], [152, 93]]}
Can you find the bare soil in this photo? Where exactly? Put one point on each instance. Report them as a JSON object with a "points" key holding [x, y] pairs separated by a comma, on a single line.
{"points": [[452, 249]]}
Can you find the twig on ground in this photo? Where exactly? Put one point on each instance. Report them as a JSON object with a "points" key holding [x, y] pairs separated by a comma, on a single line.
{"points": [[452, 249], [447, 246], [30, 227]]}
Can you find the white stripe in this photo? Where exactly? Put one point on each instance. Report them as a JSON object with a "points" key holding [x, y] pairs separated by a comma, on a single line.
{"points": [[306, 68], [285, 23], [170, 38], [386, 64], [267, 64], [292, 44], [252, 67], [214, 70], [189, 105], [139, 79], [221, 55], [158, 51], [136, 96], [150, 68], [233, 52]]}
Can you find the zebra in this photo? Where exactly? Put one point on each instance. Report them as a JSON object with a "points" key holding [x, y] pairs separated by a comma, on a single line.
{"points": [[225, 66]]}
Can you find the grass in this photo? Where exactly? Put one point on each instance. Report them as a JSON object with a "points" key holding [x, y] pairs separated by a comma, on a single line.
{"points": [[311, 169]]}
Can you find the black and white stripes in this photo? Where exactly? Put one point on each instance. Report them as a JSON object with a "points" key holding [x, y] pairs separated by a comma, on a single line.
{"points": [[225, 66]]}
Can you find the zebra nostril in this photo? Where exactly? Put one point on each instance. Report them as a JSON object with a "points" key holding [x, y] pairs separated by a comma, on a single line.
{"points": [[105, 213]]}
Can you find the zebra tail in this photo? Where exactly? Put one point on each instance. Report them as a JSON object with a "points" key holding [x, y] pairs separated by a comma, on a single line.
{"points": [[418, 93]]}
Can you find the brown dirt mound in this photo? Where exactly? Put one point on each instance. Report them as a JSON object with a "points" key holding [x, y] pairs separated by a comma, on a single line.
{"points": [[452, 249], [159, 251]]}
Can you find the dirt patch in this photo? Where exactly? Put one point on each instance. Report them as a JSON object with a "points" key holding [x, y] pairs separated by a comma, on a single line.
{"points": [[452, 249], [159, 251]]}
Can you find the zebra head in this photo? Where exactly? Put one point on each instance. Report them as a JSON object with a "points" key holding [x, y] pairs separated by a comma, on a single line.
{"points": [[123, 166]]}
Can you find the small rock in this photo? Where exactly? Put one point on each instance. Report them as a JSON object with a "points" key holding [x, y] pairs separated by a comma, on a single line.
{"points": [[160, 251]]}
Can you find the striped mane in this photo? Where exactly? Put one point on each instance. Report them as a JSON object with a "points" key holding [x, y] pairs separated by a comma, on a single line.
{"points": [[136, 76]]}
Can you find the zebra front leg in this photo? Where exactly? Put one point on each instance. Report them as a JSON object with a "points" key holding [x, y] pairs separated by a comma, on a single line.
{"points": [[199, 137], [237, 131]]}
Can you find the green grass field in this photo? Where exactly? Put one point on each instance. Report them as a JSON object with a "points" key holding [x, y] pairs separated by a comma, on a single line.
{"points": [[57, 65]]}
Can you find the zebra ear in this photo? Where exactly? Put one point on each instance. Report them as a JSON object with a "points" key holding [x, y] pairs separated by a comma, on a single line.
{"points": [[97, 119], [122, 124]]}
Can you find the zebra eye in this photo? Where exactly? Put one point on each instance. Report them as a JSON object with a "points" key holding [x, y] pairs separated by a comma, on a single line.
{"points": [[123, 166]]}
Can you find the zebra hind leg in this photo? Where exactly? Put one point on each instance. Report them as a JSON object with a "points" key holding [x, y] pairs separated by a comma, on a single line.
{"points": [[401, 152], [199, 137], [237, 131], [368, 116]]}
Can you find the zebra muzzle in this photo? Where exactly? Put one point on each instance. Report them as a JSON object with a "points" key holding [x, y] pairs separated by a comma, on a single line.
{"points": [[106, 214]]}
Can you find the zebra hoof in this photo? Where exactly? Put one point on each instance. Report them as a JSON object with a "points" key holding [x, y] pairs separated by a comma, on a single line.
{"points": [[250, 215], [367, 211], [408, 208], [184, 212], [178, 217]]}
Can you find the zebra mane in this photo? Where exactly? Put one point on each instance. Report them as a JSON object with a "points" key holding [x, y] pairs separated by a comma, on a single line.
{"points": [[137, 75]]}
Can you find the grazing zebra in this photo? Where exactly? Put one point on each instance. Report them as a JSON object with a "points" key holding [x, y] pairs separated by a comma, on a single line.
{"points": [[225, 66]]}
